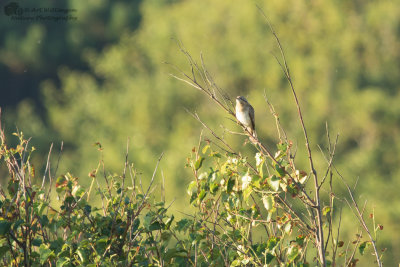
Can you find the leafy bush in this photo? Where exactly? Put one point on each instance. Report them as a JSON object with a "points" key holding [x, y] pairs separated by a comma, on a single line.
{"points": [[127, 228], [246, 215]]}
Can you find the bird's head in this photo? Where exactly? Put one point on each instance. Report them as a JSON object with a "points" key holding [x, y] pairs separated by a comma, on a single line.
{"points": [[241, 100]]}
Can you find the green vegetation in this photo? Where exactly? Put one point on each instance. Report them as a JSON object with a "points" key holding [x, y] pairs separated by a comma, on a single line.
{"points": [[246, 216], [102, 79]]}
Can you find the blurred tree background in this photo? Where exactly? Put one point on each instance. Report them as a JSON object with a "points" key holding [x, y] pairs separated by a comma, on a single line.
{"points": [[103, 79]]}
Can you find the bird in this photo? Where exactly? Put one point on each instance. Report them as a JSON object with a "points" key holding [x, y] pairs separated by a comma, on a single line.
{"points": [[245, 114]]}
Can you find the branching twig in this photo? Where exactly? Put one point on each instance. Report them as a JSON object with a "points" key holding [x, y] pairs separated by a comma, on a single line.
{"points": [[360, 218], [320, 236]]}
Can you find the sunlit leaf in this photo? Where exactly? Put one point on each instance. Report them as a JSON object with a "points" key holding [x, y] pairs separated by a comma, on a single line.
{"points": [[274, 183], [214, 188], [62, 261], [272, 242], [192, 188], [288, 228], [269, 202], [169, 221], [199, 163], [326, 210], [293, 252], [202, 195], [45, 253], [247, 192]]}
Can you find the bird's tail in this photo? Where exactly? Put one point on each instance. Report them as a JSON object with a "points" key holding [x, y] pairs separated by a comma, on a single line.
{"points": [[253, 137]]}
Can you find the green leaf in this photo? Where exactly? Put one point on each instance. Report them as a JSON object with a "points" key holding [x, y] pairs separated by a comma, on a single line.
{"points": [[202, 195], [246, 261], [192, 188], [155, 226], [202, 176], [78, 191], [4, 227], [165, 236], [288, 227], [292, 189], [326, 210], [204, 150], [282, 147], [247, 192], [300, 240], [199, 163], [4, 250], [44, 220], [62, 261], [269, 258], [213, 175], [147, 220], [17, 224], [213, 188], [101, 240], [12, 187], [274, 183], [87, 209], [292, 253], [168, 222], [45, 253], [230, 185], [82, 255], [272, 242], [61, 182], [268, 202], [174, 253], [281, 171], [363, 246], [215, 154], [36, 242], [183, 225], [236, 262], [135, 224]]}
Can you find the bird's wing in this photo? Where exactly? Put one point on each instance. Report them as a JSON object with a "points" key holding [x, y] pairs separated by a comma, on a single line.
{"points": [[251, 113]]}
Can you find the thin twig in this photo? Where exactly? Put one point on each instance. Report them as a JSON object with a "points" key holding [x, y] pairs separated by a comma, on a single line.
{"points": [[359, 216], [320, 236], [47, 165]]}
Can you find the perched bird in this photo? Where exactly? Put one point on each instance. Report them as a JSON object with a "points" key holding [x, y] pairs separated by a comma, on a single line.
{"points": [[245, 114]]}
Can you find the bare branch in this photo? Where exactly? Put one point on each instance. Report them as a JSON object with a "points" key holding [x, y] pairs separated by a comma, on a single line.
{"points": [[360, 218], [320, 239]]}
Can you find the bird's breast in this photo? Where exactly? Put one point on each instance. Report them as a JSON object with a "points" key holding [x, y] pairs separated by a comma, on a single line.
{"points": [[243, 117]]}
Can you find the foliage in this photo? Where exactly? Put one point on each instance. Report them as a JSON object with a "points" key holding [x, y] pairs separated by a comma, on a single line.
{"points": [[283, 175], [245, 216], [127, 228]]}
